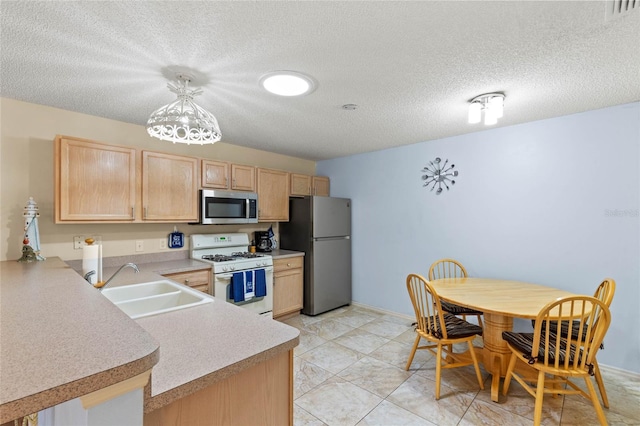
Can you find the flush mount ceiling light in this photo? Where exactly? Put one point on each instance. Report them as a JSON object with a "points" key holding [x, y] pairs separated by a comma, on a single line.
{"points": [[182, 120], [491, 103], [287, 83]]}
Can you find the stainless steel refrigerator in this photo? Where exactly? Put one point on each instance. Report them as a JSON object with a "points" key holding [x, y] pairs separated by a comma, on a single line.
{"points": [[321, 228]]}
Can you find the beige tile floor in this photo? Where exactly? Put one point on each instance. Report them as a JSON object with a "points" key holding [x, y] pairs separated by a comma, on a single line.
{"points": [[349, 370]]}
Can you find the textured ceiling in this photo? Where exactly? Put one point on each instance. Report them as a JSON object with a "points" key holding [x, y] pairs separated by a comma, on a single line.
{"points": [[411, 67]]}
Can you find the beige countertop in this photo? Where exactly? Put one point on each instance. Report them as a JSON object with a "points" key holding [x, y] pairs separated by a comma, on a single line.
{"points": [[198, 346], [204, 344], [61, 339], [280, 254]]}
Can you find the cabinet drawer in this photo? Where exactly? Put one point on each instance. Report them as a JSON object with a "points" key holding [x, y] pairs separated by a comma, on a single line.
{"points": [[196, 279], [288, 263]]}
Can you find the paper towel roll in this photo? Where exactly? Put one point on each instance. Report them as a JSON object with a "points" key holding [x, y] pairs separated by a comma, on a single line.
{"points": [[91, 261]]}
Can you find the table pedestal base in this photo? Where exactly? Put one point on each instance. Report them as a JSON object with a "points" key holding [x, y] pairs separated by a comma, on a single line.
{"points": [[496, 353]]}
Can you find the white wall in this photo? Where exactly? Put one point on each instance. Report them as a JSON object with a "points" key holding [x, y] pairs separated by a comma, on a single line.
{"points": [[553, 202]]}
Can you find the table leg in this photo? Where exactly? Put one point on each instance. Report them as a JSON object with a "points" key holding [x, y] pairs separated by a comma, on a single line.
{"points": [[496, 353]]}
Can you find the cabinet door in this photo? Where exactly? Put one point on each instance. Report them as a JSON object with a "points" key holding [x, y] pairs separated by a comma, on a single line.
{"points": [[287, 285], [94, 182], [215, 174], [321, 186], [300, 184], [243, 178], [169, 187], [198, 280], [273, 195]]}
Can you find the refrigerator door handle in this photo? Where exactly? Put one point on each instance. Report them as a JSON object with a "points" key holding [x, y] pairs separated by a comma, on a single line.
{"points": [[346, 237]]}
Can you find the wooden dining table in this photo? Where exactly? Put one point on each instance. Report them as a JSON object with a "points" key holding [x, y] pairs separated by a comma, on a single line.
{"points": [[501, 301]]}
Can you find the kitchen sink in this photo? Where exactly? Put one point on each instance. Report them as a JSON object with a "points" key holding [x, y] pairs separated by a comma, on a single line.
{"points": [[155, 297]]}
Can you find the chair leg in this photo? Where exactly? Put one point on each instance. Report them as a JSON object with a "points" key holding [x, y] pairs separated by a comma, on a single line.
{"points": [[595, 401], [413, 352], [509, 374], [537, 415], [600, 382], [438, 369], [480, 321], [475, 364]]}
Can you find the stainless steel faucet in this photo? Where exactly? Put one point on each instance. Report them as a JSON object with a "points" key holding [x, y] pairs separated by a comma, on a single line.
{"points": [[126, 265]]}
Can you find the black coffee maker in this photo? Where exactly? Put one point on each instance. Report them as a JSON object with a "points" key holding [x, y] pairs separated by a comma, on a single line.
{"points": [[263, 242]]}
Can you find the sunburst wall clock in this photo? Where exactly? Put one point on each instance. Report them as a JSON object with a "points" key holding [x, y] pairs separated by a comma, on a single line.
{"points": [[438, 174]]}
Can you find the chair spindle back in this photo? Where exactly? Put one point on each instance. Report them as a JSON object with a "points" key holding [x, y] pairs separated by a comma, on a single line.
{"points": [[447, 268], [575, 349], [426, 305]]}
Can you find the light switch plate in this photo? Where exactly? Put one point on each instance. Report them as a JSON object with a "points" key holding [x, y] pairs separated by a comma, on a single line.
{"points": [[139, 245]]}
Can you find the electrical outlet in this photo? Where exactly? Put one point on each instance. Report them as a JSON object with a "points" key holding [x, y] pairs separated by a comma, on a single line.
{"points": [[139, 245], [163, 244], [78, 242]]}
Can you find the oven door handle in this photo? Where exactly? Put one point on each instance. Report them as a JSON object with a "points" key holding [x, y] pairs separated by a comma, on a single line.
{"points": [[228, 275]]}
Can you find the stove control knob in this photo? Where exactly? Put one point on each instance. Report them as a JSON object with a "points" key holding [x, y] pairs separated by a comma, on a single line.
{"points": [[232, 268], [225, 269]]}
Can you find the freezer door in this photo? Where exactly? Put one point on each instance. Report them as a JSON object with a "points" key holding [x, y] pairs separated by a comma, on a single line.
{"points": [[329, 286], [331, 217]]}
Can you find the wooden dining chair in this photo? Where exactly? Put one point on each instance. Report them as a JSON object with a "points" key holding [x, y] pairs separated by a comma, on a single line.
{"points": [[441, 329], [604, 293], [450, 268], [563, 358]]}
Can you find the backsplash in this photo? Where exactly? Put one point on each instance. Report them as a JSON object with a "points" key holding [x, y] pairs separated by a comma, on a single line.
{"points": [[111, 262]]}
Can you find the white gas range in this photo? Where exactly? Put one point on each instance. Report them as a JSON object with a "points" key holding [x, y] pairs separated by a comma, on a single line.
{"points": [[227, 253]]}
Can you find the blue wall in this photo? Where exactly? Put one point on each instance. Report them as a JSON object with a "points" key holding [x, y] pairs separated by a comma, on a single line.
{"points": [[553, 202]]}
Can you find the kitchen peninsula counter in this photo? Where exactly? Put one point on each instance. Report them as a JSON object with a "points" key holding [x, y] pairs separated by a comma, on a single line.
{"points": [[199, 346], [204, 344], [61, 338]]}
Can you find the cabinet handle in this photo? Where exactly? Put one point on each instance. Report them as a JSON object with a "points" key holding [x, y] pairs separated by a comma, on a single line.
{"points": [[288, 264], [144, 216], [186, 281], [226, 181], [234, 183], [133, 216]]}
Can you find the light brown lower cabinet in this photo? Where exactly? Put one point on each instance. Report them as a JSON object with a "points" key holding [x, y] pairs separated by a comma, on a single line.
{"points": [[288, 281], [198, 280], [259, 395]]}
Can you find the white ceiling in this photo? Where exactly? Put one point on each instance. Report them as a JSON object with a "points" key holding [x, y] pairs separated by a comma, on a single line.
{"points": [[411, 67]]}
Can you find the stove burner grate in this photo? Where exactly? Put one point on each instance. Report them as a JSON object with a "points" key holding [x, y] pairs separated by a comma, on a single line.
{"points": [[246, 254], [217, 257]]}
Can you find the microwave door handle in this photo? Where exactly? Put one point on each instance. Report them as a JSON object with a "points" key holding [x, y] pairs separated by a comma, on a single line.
{"points": [[247, 208]]}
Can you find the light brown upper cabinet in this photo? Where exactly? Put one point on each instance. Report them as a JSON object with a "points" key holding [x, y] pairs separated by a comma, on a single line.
{"points": [[302, 185], [243, 178], [320, 186], [94, 182], [215, 174], [169, 187], [273, 195]]}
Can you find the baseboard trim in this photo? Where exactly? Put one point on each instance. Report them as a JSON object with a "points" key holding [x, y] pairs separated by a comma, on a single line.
{"points": [[384, 311]]}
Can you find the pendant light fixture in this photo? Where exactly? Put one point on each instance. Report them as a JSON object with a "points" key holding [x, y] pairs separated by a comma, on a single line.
{"points": [[183, 120], [491, 103]]}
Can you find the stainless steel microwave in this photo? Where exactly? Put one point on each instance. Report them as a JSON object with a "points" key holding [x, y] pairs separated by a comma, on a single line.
{"points": [[224, 207]]}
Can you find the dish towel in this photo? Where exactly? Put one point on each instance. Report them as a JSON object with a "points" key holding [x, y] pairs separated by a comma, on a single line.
{"points": [[249, 285], [261, 283], [237, 286]]}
